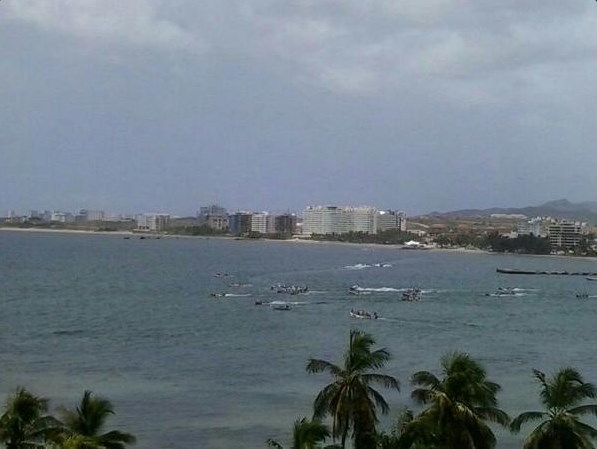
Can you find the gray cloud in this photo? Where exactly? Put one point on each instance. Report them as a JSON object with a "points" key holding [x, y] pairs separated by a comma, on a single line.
{"points": [[468, 92]]}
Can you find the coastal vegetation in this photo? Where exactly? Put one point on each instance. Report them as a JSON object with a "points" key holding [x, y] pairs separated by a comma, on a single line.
{"points": [[524, 244], [26, 424], [389, 237], [459, 409]]}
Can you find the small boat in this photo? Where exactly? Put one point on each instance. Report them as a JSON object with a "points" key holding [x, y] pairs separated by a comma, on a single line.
{"points": [[591, 278], [280, 305], [289, 289], [217, 295], [412, 295], [363, 315], [258, 302], [582, 295]]}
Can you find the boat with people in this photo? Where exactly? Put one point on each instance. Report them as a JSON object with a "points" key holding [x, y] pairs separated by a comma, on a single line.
{"points": [[290, 289], [412, 295], [363, 314]]}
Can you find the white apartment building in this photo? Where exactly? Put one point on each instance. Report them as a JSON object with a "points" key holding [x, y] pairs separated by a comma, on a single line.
{"points": [[263, 222], [152, 222], [390, 219], [339, 220], [533, 226], [565, 234]]}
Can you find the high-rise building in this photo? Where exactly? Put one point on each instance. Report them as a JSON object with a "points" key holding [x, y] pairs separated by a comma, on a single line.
{"points": [[217, 222], [339, 220], [91, 215], [285, 223], [390, 219], [565, 234], [533, 226], [240, 223], [262, 222], [152, 222], [213, 209]]}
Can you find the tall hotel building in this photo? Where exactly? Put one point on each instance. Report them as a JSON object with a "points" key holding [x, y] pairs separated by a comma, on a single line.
{"points": [[339, 220]]}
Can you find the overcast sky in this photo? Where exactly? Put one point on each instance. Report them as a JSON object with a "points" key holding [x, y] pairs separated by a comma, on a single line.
{"points": [[149, 105]]}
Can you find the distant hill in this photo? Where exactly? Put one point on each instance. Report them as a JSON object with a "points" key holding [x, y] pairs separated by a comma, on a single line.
{"points": [[586, 211]]}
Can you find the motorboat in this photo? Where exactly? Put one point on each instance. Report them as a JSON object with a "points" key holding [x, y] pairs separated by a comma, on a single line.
{"points": [[217, 295], [280, 305], [289, 289], [591, 278], [363, 314], [412, 295], [582, 295]]}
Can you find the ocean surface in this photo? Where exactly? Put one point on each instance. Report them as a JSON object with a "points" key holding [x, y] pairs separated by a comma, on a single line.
{"points": [[133, 320]]}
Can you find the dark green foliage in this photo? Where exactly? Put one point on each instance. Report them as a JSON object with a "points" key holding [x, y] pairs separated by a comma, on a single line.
{"points": [[195, 230], [562, 397], [459, 405], [305, 435], [526, 244], [390, 237], [350, 399], [24, 423], [86, 424]]}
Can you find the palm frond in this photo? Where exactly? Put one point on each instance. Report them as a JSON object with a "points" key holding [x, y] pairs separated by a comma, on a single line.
{"points": [[525, 417], [425, 379], [320, 366], [382, 379]]}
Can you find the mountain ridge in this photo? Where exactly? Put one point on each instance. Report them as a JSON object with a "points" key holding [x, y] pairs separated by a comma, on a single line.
{"points": [[561, 208]]}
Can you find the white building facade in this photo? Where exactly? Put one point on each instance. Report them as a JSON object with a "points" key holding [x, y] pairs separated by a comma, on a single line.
{"points": [[339, 220], [263, 222], [390, 220], [152, 222]]}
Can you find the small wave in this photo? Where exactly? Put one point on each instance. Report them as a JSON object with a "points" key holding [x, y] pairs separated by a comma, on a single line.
{"points": [[316, 292], [69, 333]]}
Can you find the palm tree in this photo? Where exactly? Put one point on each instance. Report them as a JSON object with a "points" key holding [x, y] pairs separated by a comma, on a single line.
{"points": [[83, 426], [562, 396], [459, 405], [350, 399], [24, 423], [305, 435]]}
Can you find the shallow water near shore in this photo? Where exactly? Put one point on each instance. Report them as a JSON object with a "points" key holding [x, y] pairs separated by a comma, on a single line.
{"points": [[133, 320]]}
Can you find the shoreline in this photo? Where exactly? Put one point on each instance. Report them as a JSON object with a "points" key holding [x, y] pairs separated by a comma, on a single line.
{"points": [[288, 241]]}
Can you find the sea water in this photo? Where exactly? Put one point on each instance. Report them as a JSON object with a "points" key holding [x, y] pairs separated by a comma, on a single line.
{"points": [[133, 320]]}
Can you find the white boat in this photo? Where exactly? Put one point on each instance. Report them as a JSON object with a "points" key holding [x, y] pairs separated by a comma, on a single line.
{"points": [[363, 315], [591, 278], [280, 305]]}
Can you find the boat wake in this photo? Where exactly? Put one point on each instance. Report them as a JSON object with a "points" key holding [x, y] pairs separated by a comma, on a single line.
{"points": [[362, 266], [380, 289], [509, 295], [236, 295], [359, 266]]}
